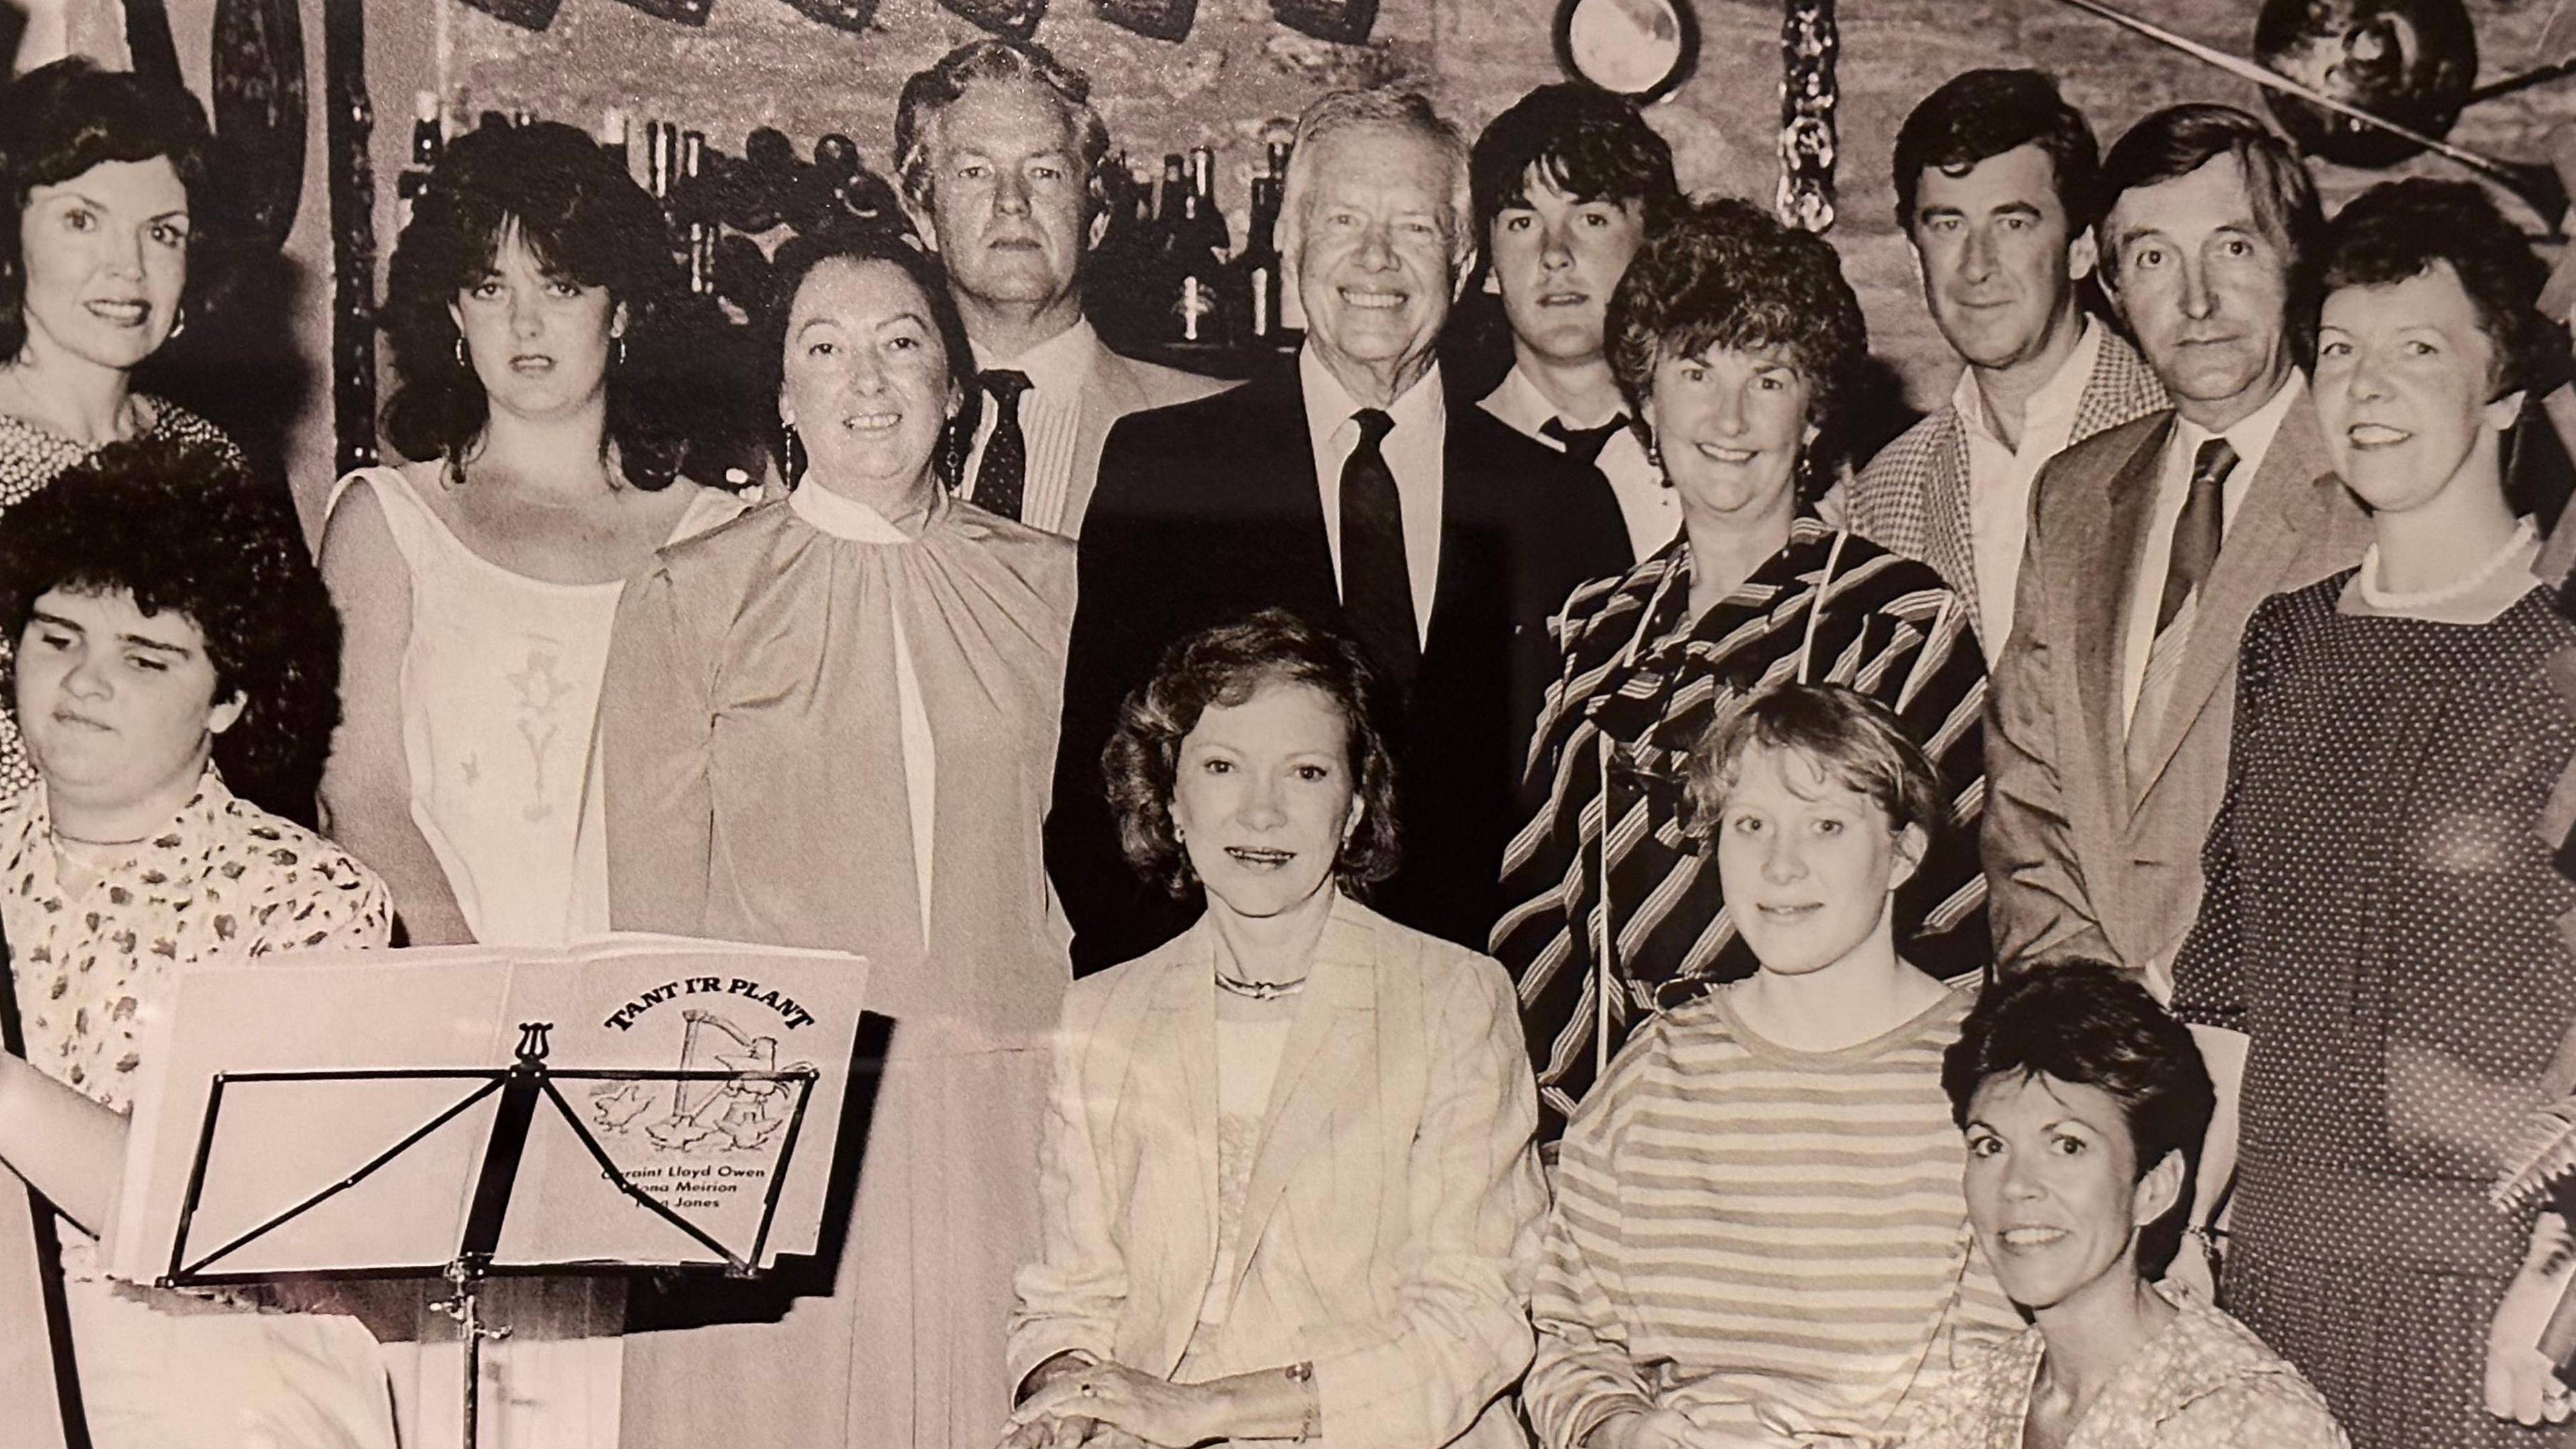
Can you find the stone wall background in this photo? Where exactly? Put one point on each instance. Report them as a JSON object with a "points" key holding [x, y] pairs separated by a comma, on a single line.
{"points": [[758, 62]]}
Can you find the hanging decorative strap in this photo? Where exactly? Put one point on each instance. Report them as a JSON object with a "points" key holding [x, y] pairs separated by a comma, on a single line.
{"points": [[1816, 605], [1808, 40]]}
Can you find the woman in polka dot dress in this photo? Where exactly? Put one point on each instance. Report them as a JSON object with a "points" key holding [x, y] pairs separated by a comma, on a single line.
{"points": [[2376, 961], [98, 174]]}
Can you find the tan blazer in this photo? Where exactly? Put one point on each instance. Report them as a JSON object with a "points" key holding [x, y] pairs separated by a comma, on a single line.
{"points": [[1390, 1230], [1120, 385], [2072, 868]]}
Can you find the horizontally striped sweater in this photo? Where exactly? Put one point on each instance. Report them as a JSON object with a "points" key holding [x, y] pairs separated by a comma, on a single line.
{"points": [[1771, 1241]]}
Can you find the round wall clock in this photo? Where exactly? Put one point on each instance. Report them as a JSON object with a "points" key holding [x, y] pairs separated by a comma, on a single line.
{"points": [[1636, 48]]}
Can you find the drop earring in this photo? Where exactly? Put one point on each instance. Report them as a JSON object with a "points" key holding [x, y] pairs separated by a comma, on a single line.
{"points": [[791, 453], [617, 350], [460, 351], [178, 324]]}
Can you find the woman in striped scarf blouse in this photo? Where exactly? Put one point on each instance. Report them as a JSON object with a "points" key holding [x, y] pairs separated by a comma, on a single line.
{"points": [[1736, 340]]}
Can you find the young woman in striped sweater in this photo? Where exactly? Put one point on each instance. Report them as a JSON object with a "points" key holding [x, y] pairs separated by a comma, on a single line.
{"points": [[1759, 1237]]}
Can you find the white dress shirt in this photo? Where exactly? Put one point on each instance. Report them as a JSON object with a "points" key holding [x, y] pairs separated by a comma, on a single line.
{"points": [[2000, 478], [1647, 504], [2251, 438], [1050, 418], [1416, 453]]}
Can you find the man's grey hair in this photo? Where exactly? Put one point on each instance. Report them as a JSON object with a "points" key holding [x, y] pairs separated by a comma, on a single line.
{"points": [[995, 61], [1352, 110]]}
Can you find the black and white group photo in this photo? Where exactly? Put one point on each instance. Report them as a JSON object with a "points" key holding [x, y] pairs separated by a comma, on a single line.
{"points": [[1384, 724]]}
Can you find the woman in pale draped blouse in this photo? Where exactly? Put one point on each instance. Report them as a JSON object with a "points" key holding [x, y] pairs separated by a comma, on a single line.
{"points": [[831, 723]]}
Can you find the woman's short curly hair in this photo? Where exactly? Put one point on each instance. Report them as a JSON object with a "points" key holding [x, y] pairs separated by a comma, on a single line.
{"points": [[182, 528], [2398, 229], [1228, 665], [59, 120], [584, 219], [1723, 274], [1855, 739]]}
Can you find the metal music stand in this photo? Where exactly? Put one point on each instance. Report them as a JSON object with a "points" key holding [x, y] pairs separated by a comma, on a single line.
{"points": [[521, 1087]]}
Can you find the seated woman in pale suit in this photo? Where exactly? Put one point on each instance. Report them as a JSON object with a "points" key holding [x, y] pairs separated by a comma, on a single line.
{"points": [[1287, 1180]]}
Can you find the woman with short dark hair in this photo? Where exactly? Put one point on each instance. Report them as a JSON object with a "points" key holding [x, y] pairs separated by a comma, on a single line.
{"points": [[831, 723], [2084, 1106], [171, 639], [2376, 974], [1736, 340], [480, 579], [103, 188], [1357, 1089]]}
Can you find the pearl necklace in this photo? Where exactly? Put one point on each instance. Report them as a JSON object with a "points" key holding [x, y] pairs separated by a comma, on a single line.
{"points": [[2391, 601]]}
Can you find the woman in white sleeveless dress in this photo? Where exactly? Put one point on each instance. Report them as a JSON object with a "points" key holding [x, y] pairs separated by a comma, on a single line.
{"points": [[477, 585]]}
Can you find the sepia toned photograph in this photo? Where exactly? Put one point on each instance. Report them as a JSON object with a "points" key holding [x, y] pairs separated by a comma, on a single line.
{"points": [[1379, 724]]}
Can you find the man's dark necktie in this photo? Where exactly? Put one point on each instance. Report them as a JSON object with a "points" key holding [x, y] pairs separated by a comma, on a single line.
{"points": [[1377, 588], [1583, 444], [1002, 477], [2199, 530]]}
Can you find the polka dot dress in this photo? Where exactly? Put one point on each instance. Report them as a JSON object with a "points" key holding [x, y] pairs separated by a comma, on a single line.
{"points": [[2381, 922], [30, 458]]}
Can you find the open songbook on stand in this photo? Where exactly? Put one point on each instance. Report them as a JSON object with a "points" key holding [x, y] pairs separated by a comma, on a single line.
{"points": [[674, 1103]]}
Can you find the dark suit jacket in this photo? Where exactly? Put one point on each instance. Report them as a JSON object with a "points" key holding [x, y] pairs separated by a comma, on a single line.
{"points": [[1208, 511], [2080, 860]]}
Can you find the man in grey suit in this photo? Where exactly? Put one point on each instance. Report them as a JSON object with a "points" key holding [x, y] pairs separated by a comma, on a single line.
{"points": [[1997, 187], [2151, 543], [1000, 152]]}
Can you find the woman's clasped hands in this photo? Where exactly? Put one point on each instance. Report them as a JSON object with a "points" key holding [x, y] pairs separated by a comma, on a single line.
{"points": [[1111, 1406]]}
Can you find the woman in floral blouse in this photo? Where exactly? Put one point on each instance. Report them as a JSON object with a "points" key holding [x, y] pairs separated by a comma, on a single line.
{"points": [[168, 633]]}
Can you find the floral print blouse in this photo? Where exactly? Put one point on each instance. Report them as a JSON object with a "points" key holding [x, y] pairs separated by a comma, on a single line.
{"points": [[225, 883]]}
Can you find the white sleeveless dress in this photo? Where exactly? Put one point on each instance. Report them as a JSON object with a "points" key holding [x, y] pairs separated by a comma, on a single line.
{"points": [[500, 687]]}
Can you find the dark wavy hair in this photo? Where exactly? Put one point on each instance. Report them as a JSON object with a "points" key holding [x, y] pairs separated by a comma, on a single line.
{"points": [[797, 259], [994, 61], [2399, 229], [1724, 274], [2087, 1023], [583, 219], [59, 120], [1586, 142], [1980, 114], [182, 528], [2177, 141], [1227, 665]]}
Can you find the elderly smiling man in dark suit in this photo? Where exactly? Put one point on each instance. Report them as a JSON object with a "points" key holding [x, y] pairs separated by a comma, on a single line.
{"points": [[1351, 487]]}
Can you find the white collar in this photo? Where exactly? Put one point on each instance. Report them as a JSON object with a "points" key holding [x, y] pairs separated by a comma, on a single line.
{"points": [[2252, 435], [2059, 396], [1329, 405], [842, 517], [1056, 367], [1519, 403]]}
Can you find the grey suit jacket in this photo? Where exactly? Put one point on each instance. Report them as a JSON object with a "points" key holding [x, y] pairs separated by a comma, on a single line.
{"points": [[1120, 385], [2072, 866]]}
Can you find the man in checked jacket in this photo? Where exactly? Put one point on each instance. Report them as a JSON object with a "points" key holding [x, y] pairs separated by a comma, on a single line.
{"points": [[1997, 186]]}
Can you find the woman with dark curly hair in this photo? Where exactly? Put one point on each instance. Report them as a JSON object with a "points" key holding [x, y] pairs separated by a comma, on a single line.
{"points": [[102, 175], [2376, 973], [2084, 1106], [1736, 340], [479, 581], [831, 723], [171, 635], [1354, 1091]]}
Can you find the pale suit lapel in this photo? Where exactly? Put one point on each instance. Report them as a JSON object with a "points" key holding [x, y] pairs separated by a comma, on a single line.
{"points": [[2269, 535], [1185, 1015], [1112, 393], [2116, 551]]}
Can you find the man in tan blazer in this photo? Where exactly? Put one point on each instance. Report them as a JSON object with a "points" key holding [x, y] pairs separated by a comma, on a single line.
{"points": [[1000, 152], [2151, 543]]}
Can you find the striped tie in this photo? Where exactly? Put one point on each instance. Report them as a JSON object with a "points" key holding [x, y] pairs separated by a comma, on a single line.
{"points": [[2197, 534]]}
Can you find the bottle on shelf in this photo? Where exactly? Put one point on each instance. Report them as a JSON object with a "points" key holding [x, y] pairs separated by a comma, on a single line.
{"points": [[697, 217], [1196, 270], [1257, 286], [613, 128], [427, 140]]}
